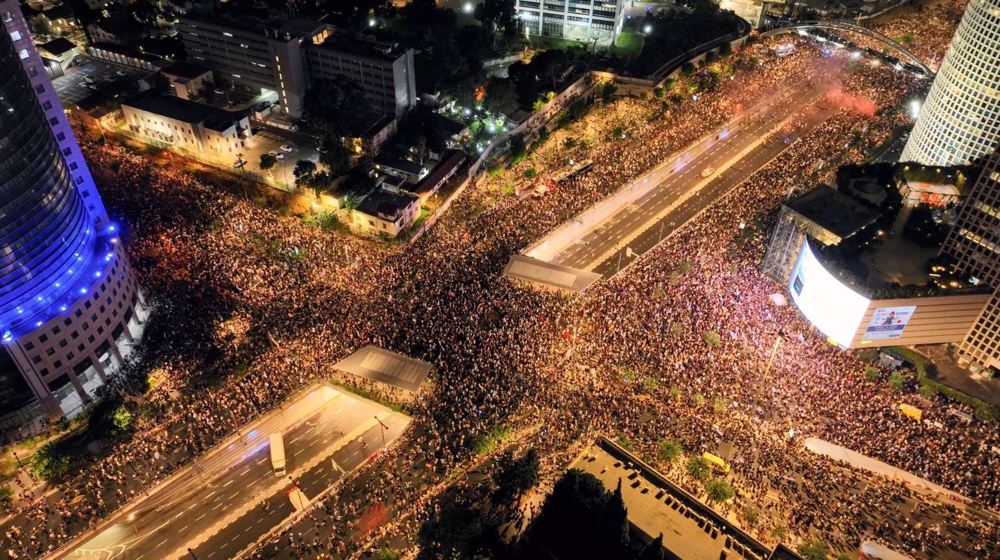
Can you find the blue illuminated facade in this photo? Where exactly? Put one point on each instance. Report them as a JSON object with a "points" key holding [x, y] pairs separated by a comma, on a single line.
{"points": [[70, 306], [47, 236]]}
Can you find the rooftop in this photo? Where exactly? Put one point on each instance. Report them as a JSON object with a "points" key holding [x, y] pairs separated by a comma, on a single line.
{"points": [[691, 530], [185, 70], [59, 11], [185, 111], [58, 46], [449, 162], [385, 204], [404, 165], [362, 46], [835, 211], [378, 364]]}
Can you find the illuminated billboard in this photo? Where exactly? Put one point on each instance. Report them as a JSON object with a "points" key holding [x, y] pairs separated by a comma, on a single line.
{"points": [[888, 322], [830, 306]]}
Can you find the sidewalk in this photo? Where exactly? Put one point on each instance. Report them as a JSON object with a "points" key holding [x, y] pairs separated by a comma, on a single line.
{"points": [[957, 377], [855, 459]]}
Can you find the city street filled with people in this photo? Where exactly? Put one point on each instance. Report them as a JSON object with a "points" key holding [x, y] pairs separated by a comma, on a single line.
{"points": [[251, 303]]}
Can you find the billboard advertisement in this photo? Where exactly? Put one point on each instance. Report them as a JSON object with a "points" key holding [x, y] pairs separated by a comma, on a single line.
{"points": [[831, 306], [888, 322]]}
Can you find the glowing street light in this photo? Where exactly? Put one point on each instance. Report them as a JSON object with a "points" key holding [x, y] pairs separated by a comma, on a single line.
{"points": [[372, 22], [468, 7], [647, 29]]}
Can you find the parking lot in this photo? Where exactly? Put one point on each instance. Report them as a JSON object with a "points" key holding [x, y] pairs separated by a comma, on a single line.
{"points": [[268, 139], [73, 86]]}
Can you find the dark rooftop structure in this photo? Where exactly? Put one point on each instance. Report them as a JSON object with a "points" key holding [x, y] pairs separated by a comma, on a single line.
{"points": [[834, 211], [60, 11], [451, 127], [385, 204], [186, 111], [450, 163], [58, 46], [362, 46], [691, 530], [390, 163], [185, 70]]}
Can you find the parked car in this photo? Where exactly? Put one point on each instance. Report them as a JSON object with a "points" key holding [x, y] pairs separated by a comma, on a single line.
{"points": [[287, 148]]}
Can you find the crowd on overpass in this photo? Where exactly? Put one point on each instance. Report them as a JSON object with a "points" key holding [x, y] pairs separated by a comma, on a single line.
{"points": [[252, 304]]}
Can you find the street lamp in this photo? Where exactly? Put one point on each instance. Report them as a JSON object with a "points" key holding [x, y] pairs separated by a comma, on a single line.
{"points": [[468, 8], [384, 428]]}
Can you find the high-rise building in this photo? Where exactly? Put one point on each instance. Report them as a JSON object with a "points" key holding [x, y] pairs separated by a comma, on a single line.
{"points": [[974, 243], [587, 21], [960, 120], [69, 303], [284, 57]]}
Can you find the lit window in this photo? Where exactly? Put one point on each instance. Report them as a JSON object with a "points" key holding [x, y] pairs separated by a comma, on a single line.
{"points": [[15, 35], [23, 54]]}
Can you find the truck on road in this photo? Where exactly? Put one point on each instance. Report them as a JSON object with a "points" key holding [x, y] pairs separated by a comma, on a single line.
{"points": [[278, 454]]}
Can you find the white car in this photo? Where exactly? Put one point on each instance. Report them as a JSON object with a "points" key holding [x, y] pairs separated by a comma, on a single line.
{"points": [[287, 148], [279, 156]]}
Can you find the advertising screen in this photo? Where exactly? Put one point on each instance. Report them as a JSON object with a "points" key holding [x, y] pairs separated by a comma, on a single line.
{"points": [[888, 322], [832, 307]]}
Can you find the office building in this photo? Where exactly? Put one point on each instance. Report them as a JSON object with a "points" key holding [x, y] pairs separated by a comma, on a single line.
{"points": [[974, 244], [959, 122], [70, 307], [587, 21], [285, 57], [858, 266], [383, 71]]}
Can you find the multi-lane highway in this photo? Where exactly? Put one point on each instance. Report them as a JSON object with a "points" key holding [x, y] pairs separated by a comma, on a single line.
{"points": [[231, 497], [687, 183]]}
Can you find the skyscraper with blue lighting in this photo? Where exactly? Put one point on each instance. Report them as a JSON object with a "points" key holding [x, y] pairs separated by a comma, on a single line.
{"points": [[69, 303]]}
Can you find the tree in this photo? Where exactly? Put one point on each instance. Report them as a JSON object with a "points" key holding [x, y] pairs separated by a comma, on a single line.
{"points": [[335, 157], [515, 477], [500, 15], [457, 531], [351, 201], [615, 524], [697, 467], [303, 172], [813, 550], [267, 162], [580, 519], [653, 550], [719, 490], [501, 95], [668, 450], [320, 182], [336, 108]]}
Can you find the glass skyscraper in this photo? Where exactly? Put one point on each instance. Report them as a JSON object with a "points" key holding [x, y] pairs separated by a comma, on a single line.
{"points": [[960, 121], [69, 304]]}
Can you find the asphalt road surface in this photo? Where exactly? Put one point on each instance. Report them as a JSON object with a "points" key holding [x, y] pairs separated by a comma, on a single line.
{"points": [[655, 215], [71, 87], [218, 507]]}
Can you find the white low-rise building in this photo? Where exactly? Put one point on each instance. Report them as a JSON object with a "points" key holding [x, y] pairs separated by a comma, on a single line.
{"points": [[206, 131]]}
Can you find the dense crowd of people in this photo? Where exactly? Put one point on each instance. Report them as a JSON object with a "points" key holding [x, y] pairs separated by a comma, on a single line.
{"points": [[251, 304]]}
